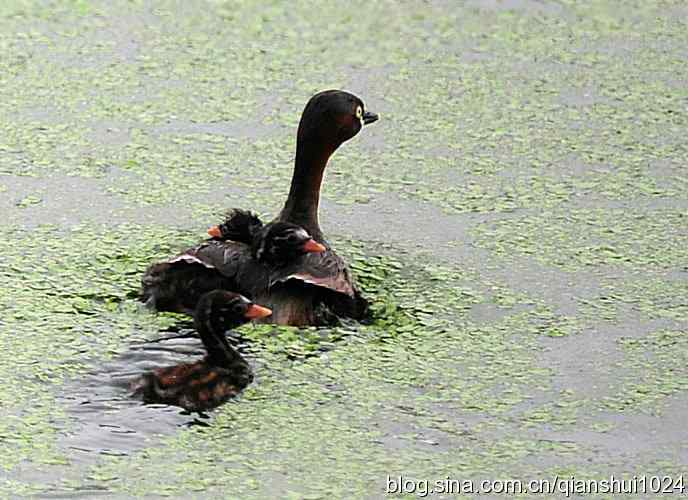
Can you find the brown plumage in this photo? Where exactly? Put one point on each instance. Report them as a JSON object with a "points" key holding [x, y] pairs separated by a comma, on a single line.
{"points": [[221, 374], [309, 289]]}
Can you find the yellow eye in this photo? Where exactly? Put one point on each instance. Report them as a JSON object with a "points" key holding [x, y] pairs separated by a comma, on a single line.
{"points": [[359, 112]]}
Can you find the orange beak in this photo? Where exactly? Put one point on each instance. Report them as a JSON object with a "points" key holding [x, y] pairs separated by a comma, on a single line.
{"points": [[215, 232], [255, 311], [312, 246]]}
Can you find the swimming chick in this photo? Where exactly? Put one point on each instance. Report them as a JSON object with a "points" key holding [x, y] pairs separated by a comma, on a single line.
{"points": [[221, 374]]}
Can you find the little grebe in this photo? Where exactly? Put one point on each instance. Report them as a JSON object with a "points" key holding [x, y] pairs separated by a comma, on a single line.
{"points": [[182, 281], [298, 290], [275, 244], [239, 225], [222, 374]]}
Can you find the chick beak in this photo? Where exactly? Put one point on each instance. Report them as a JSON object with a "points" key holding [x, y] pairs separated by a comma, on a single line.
{"points": [[369, 117], [312, 246], [255, 311], [215, 232]]}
